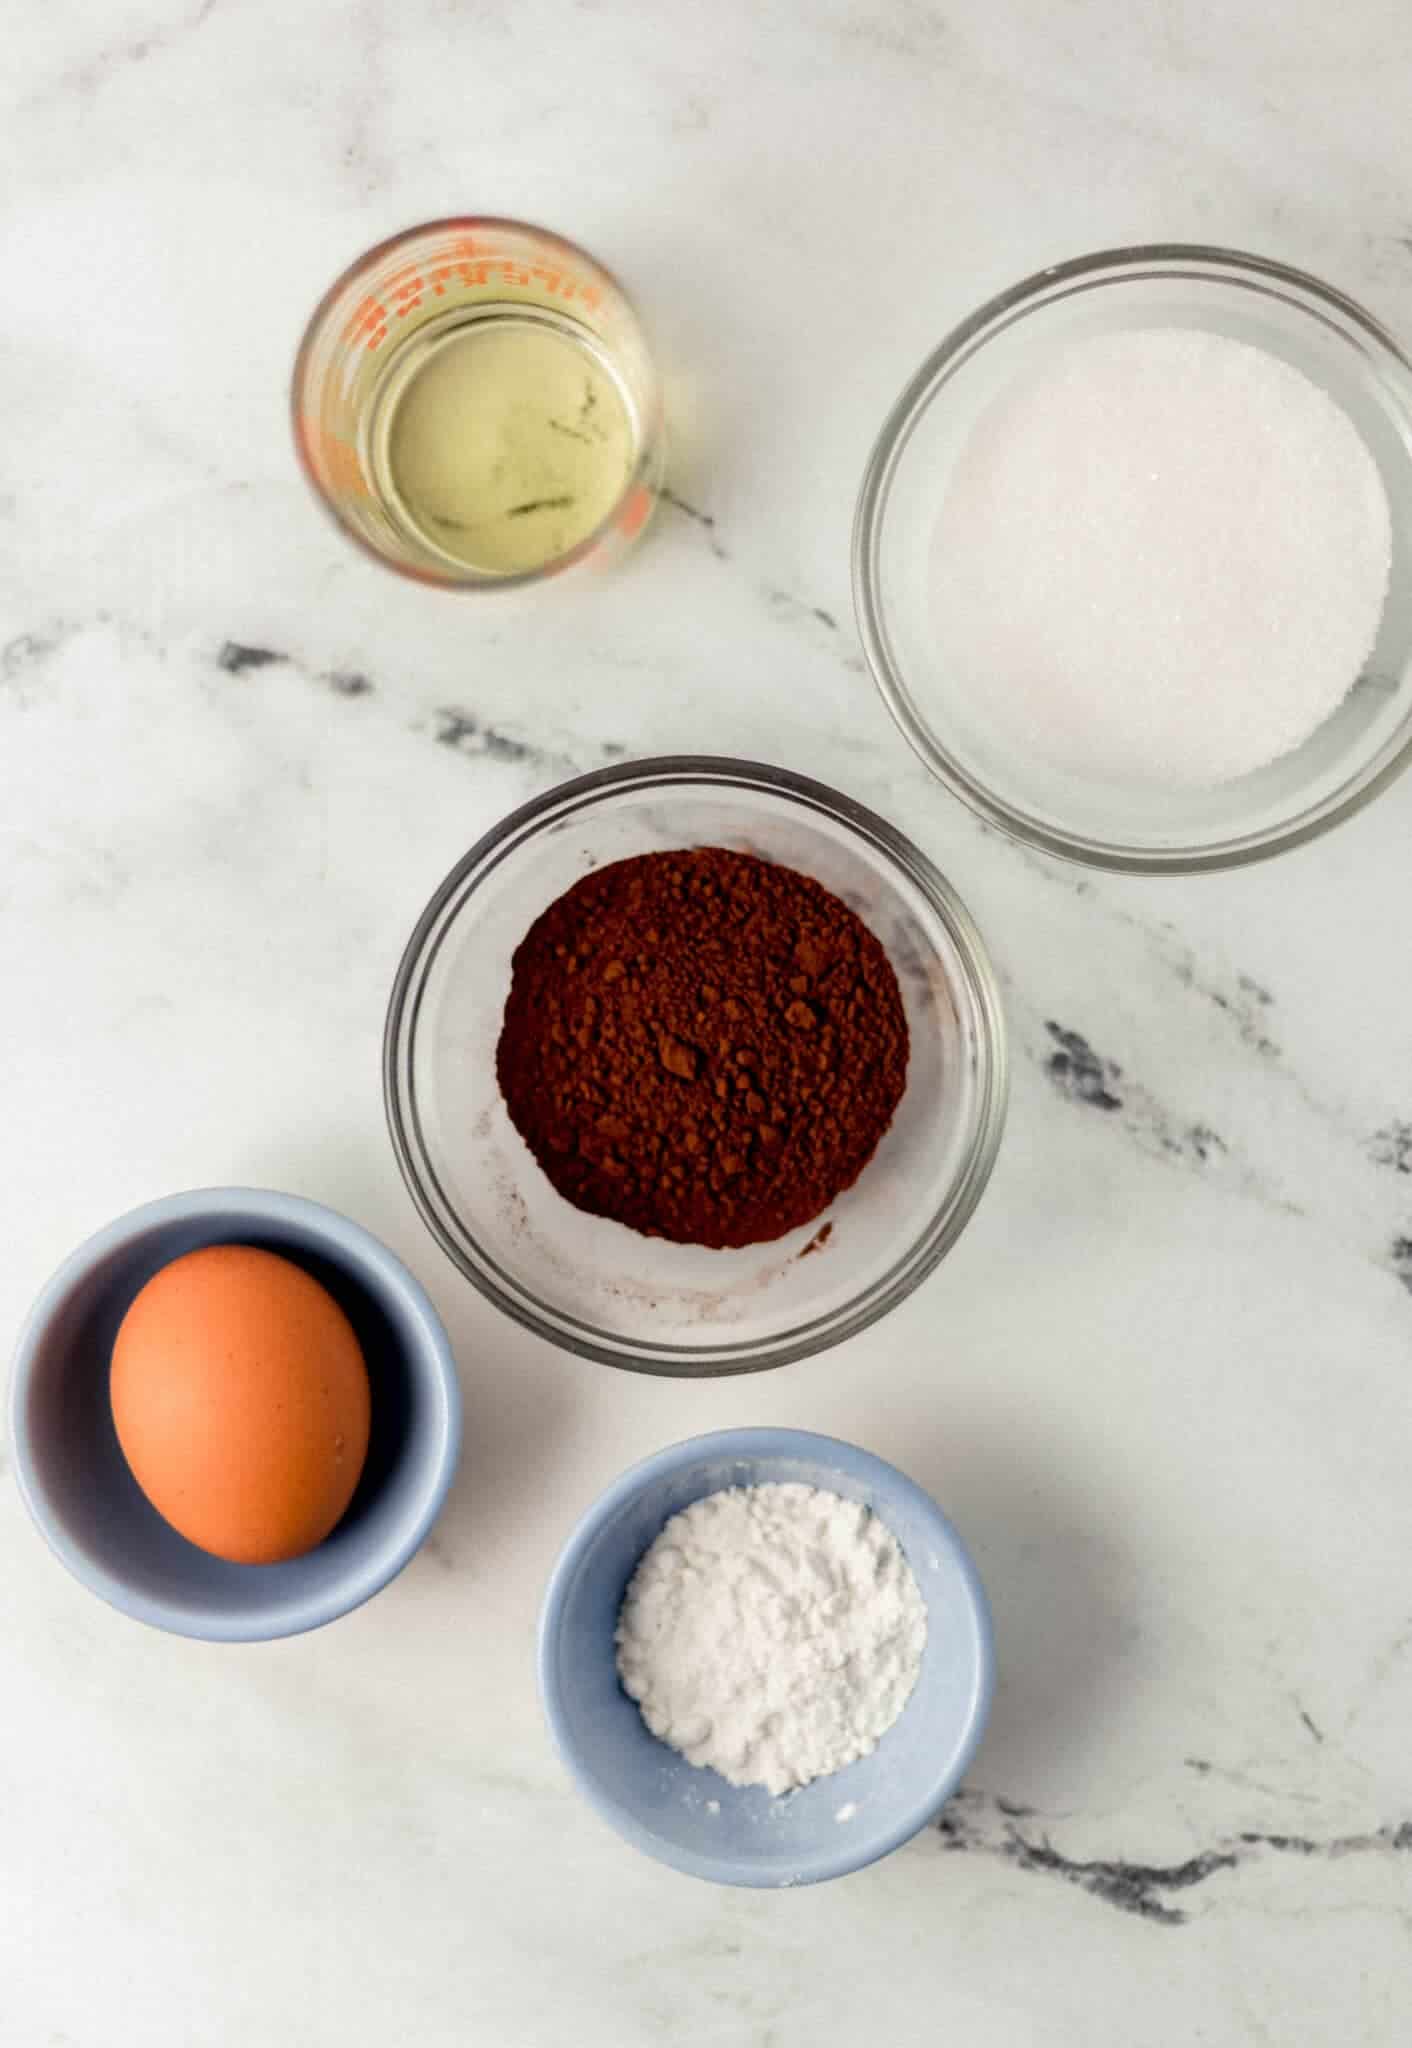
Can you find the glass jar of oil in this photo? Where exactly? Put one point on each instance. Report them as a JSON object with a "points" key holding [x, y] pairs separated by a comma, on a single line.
{"points": [[474, 401]]}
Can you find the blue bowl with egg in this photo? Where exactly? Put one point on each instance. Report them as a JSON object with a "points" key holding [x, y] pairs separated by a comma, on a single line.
{"points": [[86, 1502], [691, 1817]]}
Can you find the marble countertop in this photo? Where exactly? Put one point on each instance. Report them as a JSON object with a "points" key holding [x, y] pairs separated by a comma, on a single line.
{"points": [[1161, 1384]]}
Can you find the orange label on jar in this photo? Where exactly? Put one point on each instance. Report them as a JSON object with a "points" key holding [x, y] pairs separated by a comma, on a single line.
{"points": [[636, 507], [461, 261]]}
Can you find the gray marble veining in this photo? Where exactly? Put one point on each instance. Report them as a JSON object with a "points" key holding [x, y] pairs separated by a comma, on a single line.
{"points": [[1162, 1382]]}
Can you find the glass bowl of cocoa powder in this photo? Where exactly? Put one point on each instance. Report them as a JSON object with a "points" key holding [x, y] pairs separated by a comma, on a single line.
{"points": [[886, 986]]}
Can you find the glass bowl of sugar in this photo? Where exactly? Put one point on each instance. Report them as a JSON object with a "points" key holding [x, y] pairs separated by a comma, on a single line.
{"points": [[1133, 559]]}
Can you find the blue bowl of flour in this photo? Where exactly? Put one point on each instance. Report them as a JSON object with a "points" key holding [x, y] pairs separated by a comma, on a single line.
{"points": [[690, 1817]]}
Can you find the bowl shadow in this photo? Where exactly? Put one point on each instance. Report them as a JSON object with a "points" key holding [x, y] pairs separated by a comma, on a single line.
{"points": [[521, 1397], [1064, 1592]]}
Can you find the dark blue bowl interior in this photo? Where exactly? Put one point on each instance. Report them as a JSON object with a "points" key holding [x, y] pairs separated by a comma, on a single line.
{"points": [[692, 1818], [100, 1522]]}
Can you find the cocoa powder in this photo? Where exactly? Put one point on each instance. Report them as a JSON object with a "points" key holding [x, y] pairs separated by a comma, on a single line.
{"points": [[702, 1045]]}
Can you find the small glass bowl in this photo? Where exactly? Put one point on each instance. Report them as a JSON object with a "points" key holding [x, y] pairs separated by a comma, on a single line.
{"points": [[373, 328], [1143, 829], [591, 1284]]}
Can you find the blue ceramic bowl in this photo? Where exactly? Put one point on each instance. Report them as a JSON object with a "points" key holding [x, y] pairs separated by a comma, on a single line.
{"points": [[76, 1482], [691, 1818]]}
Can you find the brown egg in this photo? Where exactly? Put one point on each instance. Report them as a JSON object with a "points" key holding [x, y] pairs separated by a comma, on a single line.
{"points": [[240, 1398]]}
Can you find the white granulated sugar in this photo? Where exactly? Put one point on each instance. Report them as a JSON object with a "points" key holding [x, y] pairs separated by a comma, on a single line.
{"points": [[772, 1633], [1162, 557]]}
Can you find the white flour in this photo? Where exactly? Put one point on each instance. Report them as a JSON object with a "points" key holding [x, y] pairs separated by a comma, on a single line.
{"points": [[772, 1633]]}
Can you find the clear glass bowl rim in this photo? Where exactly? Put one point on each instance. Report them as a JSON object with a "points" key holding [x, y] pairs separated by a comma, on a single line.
{"points": [[539, 815], [1192, 260]]}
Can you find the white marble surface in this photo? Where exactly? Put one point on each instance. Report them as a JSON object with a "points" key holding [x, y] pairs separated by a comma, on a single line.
{"points": [[1162, 1384]]}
